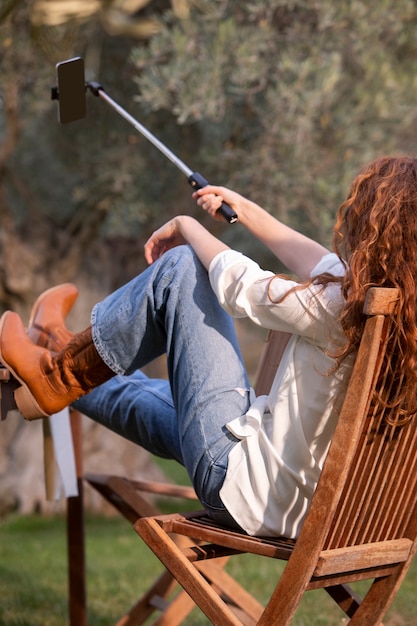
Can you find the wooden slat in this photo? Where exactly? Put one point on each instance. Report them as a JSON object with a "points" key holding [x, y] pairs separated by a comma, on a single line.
{"points": [[275, 344], [343, 578], [353, 498], [279, 548], [363, 557], [381, 301], [169, 490], [122, 496], [348, 436], [165, 489]]}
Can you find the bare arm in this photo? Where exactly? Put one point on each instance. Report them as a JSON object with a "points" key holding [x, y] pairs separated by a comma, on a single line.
{"points": [[298, 253], [180, 230]]}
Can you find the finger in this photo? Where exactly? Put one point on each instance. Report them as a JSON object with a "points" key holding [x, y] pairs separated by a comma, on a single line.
{"points": [[148, 251], [210, 202], [151, 250], [213, 189]]}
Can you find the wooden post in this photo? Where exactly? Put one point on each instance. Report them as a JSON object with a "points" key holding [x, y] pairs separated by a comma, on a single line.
{"points": [[75, 537]]}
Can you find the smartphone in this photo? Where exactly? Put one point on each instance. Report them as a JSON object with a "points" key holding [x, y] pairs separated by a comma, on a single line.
{"points": [[71, 90]]}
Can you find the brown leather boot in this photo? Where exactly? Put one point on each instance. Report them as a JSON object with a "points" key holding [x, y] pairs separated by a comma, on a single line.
{"points": [[46, 325], [49, 382]]}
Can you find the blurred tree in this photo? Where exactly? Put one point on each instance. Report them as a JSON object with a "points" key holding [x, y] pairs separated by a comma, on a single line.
{"points": [[288, 98], [280, 99]]}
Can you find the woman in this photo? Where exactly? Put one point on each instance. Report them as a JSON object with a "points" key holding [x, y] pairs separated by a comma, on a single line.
{"points": [[254, 462]]}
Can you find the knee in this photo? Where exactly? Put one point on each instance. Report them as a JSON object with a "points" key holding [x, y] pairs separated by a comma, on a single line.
{"points": [[181, 255], [180, 252]]}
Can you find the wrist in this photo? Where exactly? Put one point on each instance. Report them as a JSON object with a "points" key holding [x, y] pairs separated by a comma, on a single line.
{"points": [[247, 208], [184, 225]]}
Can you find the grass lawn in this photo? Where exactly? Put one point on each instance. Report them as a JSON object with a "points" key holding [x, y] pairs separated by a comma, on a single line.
{"points": [[33, 584]]}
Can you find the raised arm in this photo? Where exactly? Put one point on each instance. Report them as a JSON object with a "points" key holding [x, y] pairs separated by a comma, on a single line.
{"points": [[298, 253]]}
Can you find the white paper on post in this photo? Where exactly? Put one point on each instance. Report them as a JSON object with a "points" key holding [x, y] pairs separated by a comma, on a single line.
{"points": [[61, 433]]}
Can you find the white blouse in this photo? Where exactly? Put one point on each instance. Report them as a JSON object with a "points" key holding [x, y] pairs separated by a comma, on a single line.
{"points": [[285, 436]]}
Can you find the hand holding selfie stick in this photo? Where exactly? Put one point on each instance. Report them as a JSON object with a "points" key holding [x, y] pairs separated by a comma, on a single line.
{"points": [[71, 94]]}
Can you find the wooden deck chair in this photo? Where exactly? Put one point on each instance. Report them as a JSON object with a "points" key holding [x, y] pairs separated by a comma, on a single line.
{"points": [[127, 496], [362, 522]]}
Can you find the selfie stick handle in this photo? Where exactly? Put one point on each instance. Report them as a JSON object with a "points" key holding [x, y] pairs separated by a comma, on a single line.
{"points": [[196, 180]]}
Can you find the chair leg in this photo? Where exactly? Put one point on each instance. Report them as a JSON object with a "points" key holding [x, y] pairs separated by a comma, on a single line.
{"points": [[77, 604], [379, 598], [155, 598], [242, 603], [345, 597], [177, 611], [186, 573], [77, 586]]}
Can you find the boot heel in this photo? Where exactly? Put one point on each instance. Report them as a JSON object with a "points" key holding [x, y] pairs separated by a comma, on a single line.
{"points": [[27, 404]]}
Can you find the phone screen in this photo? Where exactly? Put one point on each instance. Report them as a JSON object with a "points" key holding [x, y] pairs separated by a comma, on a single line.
{"points": [[71, 90]]}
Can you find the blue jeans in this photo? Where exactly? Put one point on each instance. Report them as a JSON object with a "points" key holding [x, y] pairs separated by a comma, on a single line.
{"points": [[171, 308]]}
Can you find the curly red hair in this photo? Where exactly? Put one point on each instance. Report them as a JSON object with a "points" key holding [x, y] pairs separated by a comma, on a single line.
{"points": [[376, 234]]}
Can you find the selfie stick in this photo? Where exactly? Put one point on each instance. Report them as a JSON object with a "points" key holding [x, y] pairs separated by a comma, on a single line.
{"points": [[69, 74], [196, 180]]}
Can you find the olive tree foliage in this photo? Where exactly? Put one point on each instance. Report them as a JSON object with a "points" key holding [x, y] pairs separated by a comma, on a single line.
{"points": [[288, 98], [281, 100]]}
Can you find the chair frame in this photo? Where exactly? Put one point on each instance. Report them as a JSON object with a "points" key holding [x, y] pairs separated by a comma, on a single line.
{"points": [[362, 521]]}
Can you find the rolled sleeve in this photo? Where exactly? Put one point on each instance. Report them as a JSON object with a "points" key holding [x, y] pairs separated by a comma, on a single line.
{"points": [[245, 290]]}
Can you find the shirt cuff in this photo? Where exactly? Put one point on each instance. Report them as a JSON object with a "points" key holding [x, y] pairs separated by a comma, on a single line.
{"points": [[220, 262]]}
